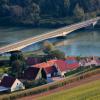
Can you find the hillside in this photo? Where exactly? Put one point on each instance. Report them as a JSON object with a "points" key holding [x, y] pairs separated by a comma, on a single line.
{"points": [[47, 12], [88, 91]]}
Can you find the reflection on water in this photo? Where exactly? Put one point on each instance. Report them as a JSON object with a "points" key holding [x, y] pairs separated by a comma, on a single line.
{"points": [[13, 34], [84, 43]]}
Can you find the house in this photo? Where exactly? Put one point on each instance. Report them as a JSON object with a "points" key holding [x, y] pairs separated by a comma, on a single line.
{"points": [[33, 73], [95, 61], [11, 84], [55, 68], [49, 69], [89, 61], [61, 67], [72, 63]]}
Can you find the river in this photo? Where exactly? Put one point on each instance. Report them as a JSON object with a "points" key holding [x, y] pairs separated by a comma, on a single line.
{"points": [[81, 43], [10, 35]]}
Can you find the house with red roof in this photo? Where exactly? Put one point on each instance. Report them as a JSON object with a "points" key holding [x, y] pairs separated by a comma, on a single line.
{"points": [[48, 67], [61, 66], [72, 63], [58, 67], [33, 73], [11, 84]]}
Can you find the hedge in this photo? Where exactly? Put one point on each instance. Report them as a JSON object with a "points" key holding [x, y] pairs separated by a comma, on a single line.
{"points": [[47, 87]]}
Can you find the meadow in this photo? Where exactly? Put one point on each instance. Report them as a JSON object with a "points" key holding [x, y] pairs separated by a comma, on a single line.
{"points": [[89, 91]]}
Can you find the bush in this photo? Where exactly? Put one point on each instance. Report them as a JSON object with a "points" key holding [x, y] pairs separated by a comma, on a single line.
{"points": [[34, 83]]}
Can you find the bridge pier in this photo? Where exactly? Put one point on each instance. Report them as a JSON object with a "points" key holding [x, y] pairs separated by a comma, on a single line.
{"points": [[62, 35], [94, 23]]}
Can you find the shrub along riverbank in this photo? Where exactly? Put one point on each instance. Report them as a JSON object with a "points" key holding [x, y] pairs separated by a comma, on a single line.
{"points": [[47, 87]]}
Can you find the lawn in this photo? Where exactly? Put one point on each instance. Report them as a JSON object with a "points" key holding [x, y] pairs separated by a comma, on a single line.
{"points": [[89, 91], [3, 69]]}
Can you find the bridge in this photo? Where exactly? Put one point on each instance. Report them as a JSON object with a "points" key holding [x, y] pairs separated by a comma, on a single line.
{"points": [[59, 32]]}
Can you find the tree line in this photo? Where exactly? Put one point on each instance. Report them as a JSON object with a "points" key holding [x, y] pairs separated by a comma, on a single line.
{"points": [[32, 11]]}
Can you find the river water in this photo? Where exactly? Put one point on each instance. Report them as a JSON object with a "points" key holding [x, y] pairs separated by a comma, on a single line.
{"points": [[81, 43], [10, 35]]}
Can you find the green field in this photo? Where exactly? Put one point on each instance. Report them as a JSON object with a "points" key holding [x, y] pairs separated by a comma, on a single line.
{"points": [[89, 91]]}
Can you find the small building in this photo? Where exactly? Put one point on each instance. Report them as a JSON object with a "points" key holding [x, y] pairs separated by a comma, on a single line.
{"points": [[11, 84], [89, 61], [33, 73]]}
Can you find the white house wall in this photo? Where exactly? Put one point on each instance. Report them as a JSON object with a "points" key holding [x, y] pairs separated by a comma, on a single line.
{"points": [[17, 85]]}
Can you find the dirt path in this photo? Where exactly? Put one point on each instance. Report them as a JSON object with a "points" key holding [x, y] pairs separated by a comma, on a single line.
{"points": [[68, 86]]}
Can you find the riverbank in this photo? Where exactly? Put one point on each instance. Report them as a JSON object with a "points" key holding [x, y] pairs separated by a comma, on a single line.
{"points": [[46, 23]]}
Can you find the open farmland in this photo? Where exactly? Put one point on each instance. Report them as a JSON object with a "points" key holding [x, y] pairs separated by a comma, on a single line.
{"points": [[89, 91]]}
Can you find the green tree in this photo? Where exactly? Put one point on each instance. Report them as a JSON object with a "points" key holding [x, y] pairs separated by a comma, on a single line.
{"points": [[17, 63], [17, 55], [17, 68]]}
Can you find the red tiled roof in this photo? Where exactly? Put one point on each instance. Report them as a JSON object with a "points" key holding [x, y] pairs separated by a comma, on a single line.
{"points": [[61, 65], [72, 63], [50, 70], [72, 66], [45, 64], [7, 81], [41, 65], [31, 72], [51, 62]]}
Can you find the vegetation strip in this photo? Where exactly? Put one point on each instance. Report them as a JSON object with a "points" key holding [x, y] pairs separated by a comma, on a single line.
{"points": [[47, 87]]}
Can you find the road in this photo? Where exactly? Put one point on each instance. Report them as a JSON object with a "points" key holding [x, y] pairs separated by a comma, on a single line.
{"points": [[59, 32]]}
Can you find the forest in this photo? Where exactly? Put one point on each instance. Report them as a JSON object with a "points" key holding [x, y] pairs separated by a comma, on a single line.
{"points": [[47, 12]]}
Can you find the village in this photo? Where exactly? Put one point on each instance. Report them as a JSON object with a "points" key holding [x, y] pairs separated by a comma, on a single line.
{"points": [[40, 73]]}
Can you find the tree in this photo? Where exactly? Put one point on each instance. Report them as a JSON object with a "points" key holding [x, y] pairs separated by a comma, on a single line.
{"points": [[35, 13], [17, 68], [17, 63], [58, 54], [16, 55], [79, 12], [47, 47]]}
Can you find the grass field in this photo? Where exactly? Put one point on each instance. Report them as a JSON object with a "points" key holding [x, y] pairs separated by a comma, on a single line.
{"points": [[3, 69], [89, 91]]}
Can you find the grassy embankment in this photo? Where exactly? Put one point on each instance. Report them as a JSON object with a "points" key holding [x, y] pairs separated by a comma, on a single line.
{"points": [[89, 91]]}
